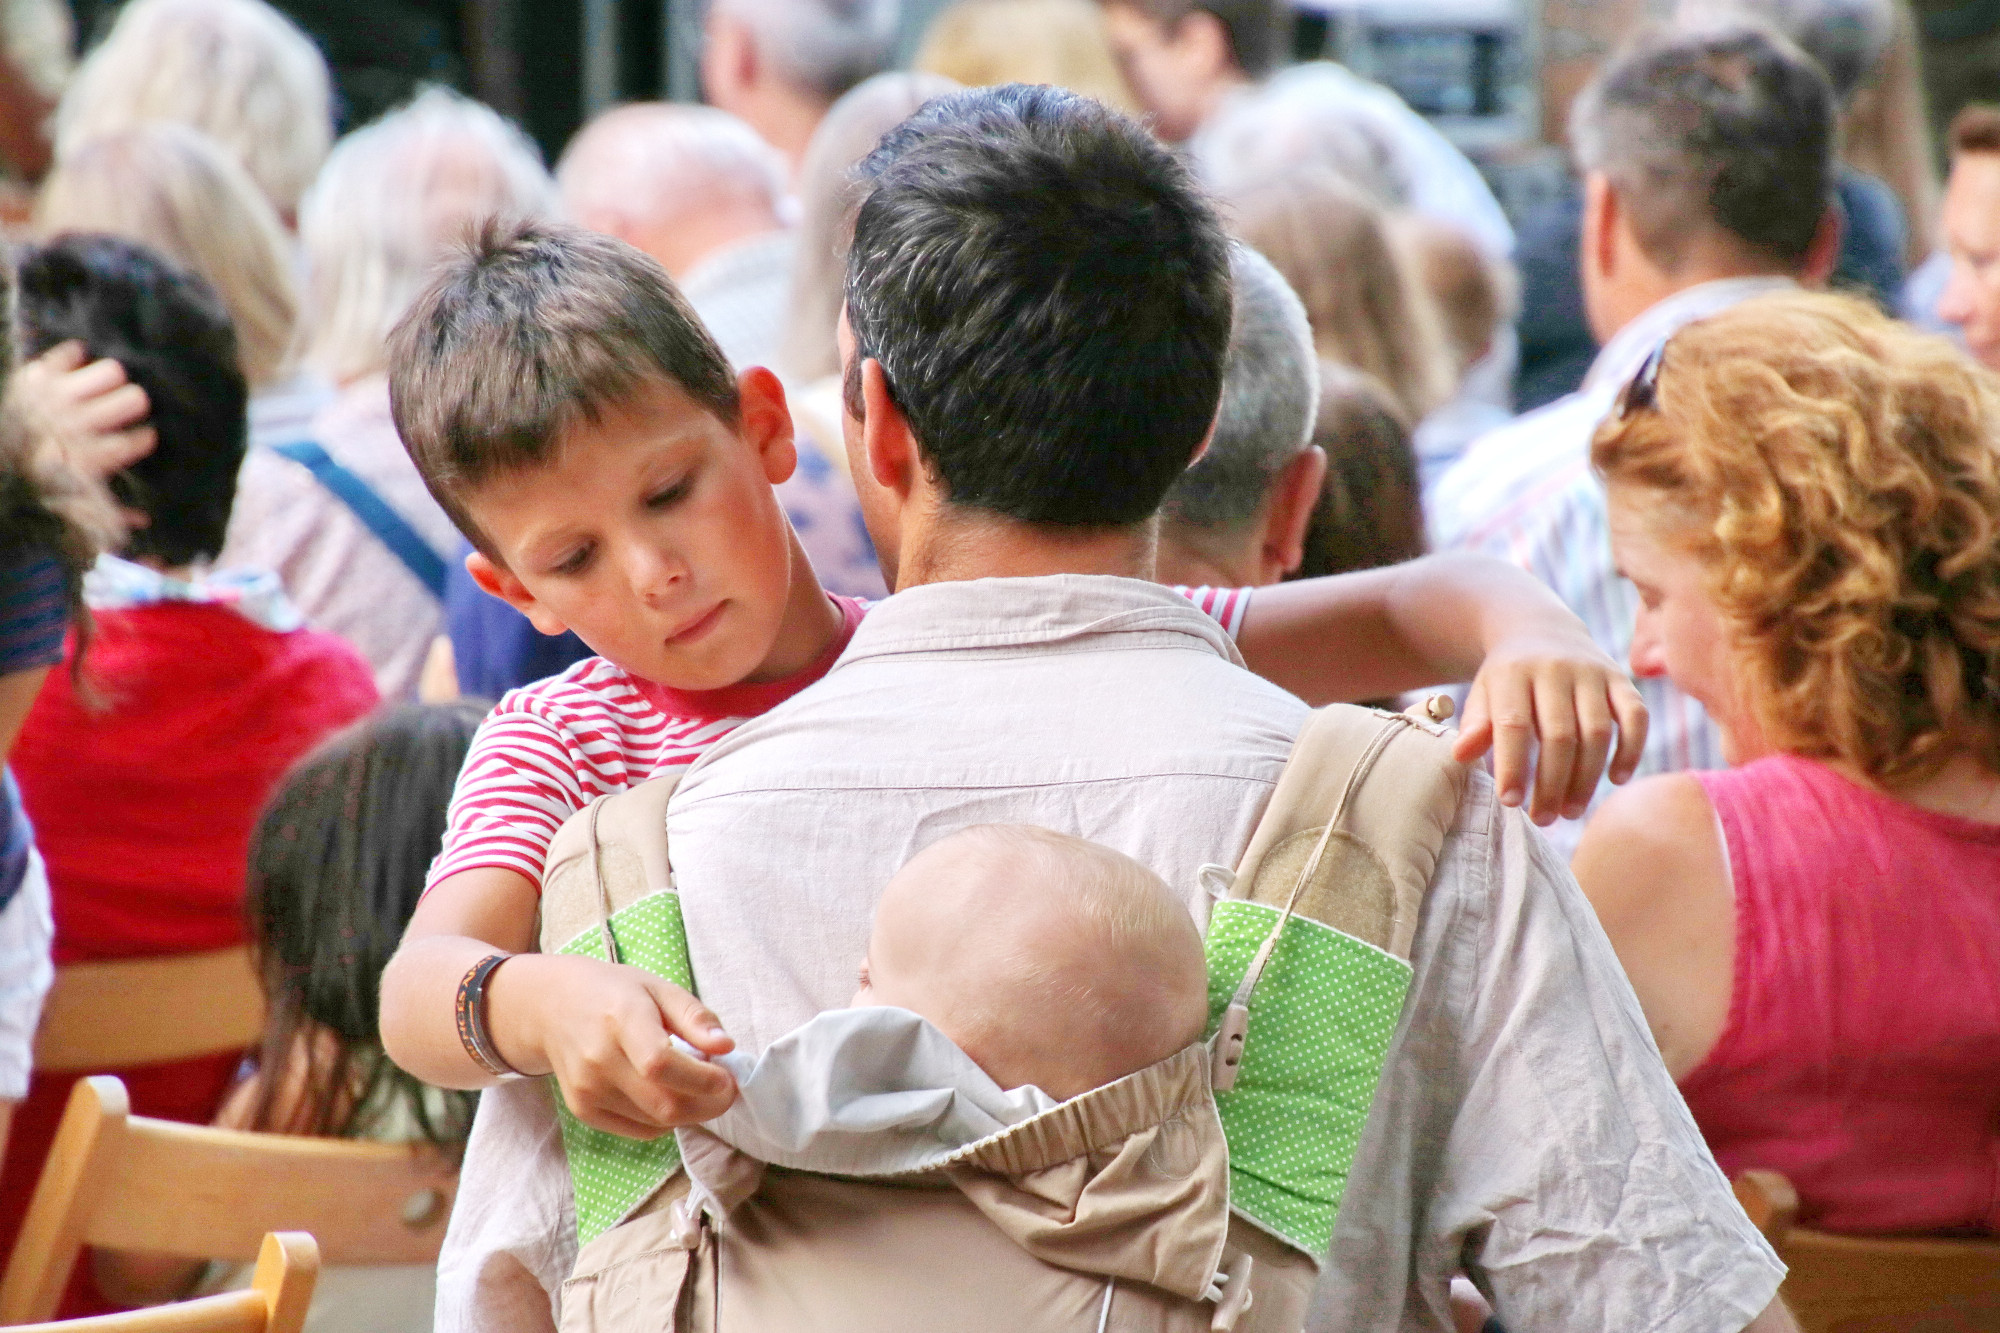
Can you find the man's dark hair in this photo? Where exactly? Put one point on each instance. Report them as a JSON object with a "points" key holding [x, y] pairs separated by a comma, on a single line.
{"points": [[1048, 295], [1255, 27], [170, 331], [529, 329], [1729, 130]]}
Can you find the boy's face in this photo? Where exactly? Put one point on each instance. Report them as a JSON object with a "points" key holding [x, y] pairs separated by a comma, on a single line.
{"points": [[654, 533]]}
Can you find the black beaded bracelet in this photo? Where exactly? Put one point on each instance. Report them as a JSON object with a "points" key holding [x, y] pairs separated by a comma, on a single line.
{"points": [[472, 1029]]}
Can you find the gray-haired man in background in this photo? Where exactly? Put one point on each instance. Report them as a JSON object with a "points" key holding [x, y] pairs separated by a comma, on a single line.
{"points": [[779, 64]]}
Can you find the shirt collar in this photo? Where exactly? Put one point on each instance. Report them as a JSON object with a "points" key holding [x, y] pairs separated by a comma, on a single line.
{"points": [[1627, 351], [113, 584], [1053, 611]]}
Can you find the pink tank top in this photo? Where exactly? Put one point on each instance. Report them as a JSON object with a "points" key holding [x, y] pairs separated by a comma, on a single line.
{"points": [[1862, 1052]]}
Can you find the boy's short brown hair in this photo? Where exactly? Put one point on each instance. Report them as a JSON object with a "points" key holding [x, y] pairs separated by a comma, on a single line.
{"points": [[526, 330]]}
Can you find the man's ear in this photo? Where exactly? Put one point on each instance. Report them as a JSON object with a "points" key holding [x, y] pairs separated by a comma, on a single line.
{"points": [[886, 440], [765, 420], [497, 580], [1288, 513], [1824, 252], [1601, 208]]}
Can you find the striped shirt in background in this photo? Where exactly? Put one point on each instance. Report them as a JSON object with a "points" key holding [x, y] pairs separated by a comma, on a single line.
{"points": [[550, 748], [34, 611], [1526, 493]]}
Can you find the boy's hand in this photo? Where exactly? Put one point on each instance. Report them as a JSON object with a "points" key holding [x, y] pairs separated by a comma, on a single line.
{"points": [[1552, 685], [604, 1030]]}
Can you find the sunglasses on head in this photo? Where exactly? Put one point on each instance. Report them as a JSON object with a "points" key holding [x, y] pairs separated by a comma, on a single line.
{"points": [[1642, 391]]}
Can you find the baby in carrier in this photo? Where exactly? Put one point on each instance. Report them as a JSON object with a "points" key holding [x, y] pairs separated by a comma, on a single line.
{"points": [[1050, 961], [1028, 1030]]}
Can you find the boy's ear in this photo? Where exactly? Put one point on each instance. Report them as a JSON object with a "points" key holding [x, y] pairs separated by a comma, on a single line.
{"points": [[498, 581], [767, 422]]}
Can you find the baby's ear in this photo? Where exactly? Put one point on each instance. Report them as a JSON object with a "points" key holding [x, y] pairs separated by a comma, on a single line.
{"points": [[767, 423], [496, 580]]}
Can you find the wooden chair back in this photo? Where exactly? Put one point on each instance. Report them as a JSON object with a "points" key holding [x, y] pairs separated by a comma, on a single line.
{"points": [[142, 1011], [279, 1296], [126, 1182], [1855, 1284]]}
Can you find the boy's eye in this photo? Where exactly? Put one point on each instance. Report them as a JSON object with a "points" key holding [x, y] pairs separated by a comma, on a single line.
{"points": [[661, 499], [574, 562]]}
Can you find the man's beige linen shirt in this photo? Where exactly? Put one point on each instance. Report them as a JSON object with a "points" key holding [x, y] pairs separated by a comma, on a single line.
{"points": [[1525, 1129]]}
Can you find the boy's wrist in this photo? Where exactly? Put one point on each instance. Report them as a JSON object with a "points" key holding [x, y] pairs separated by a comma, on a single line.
{"points": [[513, 1015]]}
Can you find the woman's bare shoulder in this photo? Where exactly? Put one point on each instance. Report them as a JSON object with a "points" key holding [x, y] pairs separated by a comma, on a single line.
{"points": [[1653, 865]]}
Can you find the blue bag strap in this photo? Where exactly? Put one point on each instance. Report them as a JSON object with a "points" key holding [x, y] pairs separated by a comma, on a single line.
{"points": [[374, 512]]}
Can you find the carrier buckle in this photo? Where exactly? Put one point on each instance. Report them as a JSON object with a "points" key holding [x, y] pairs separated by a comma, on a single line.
{"points": [[1226, 1055]]}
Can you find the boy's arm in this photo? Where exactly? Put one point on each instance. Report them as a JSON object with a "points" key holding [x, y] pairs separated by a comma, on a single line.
{"points": [[603, 1029], [1537, 676]]}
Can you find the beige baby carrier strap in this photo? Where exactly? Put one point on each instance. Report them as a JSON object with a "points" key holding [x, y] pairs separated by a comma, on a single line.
{"points": [[1125, 1208]]}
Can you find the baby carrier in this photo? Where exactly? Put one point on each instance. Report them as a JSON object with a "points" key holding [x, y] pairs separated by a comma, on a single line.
{"points": [[1199, 1193]]}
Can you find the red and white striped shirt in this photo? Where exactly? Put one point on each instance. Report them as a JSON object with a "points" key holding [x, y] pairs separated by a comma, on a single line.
{"points": [[550, 748]]}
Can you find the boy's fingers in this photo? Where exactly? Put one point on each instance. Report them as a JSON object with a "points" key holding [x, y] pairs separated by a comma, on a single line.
{"points": [[1633, 720], [1513, 726], [1593, 716], [1475, 727], [1556, 731], [689, 1019], [612, 1123]]}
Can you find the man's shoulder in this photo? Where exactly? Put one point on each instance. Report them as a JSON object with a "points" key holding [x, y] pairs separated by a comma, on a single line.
{"points": [[1518, 474]]}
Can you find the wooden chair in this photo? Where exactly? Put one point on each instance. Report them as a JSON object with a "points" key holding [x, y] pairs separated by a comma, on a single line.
{"points": [[142, 1011], [125, 1182], [1855, 1284], [279, 1296]]}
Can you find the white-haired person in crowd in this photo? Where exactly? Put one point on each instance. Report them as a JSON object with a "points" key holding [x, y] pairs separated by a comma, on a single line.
{"points": [[176, 191], [779, 64], [698, 190], [1709, 170], [344, 520], [237, 70]]}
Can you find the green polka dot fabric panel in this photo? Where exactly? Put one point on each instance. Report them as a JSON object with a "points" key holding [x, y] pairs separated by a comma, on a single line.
{"points": [[613, 1174], [1321, 1020]]}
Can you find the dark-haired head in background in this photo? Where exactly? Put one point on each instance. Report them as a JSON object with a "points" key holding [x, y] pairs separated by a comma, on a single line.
{"points": [[171, 333], [337, 864], [1047, 296]]}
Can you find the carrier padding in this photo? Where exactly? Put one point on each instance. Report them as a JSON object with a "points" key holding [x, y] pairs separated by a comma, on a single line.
{"points": [[1325, 1011], [1320, 1026], [614, 853]]}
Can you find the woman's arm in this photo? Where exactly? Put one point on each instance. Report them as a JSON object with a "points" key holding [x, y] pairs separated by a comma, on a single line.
{"points": [[1538, 677], [1653, 864]]}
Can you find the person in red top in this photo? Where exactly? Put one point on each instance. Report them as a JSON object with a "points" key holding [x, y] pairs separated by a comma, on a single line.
{"points": [[1807, 496], [144, 779]]}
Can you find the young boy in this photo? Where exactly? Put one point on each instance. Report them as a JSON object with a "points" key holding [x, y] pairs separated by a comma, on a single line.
{"points": [[579, 425]]}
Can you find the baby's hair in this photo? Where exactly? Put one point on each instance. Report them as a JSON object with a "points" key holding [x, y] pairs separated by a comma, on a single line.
{"points": [[529, 329], [1130, 976]]}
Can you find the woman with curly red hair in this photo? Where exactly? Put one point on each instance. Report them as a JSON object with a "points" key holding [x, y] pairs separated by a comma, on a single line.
{"points": [[1807, 496]]}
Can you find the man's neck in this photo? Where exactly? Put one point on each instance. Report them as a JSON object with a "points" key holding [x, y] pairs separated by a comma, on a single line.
{"points": [[785, 119], [961, 546], [1643, 292]]}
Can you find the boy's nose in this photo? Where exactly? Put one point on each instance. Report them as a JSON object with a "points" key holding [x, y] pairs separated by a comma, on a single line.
{"points": [[654, 574]]}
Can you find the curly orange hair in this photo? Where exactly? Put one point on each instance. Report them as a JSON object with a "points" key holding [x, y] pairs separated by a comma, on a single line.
{"points": [[1840, 474]]}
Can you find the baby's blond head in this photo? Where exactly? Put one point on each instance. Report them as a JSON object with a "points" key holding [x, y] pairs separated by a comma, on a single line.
{"points": [[1048, 959]]}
